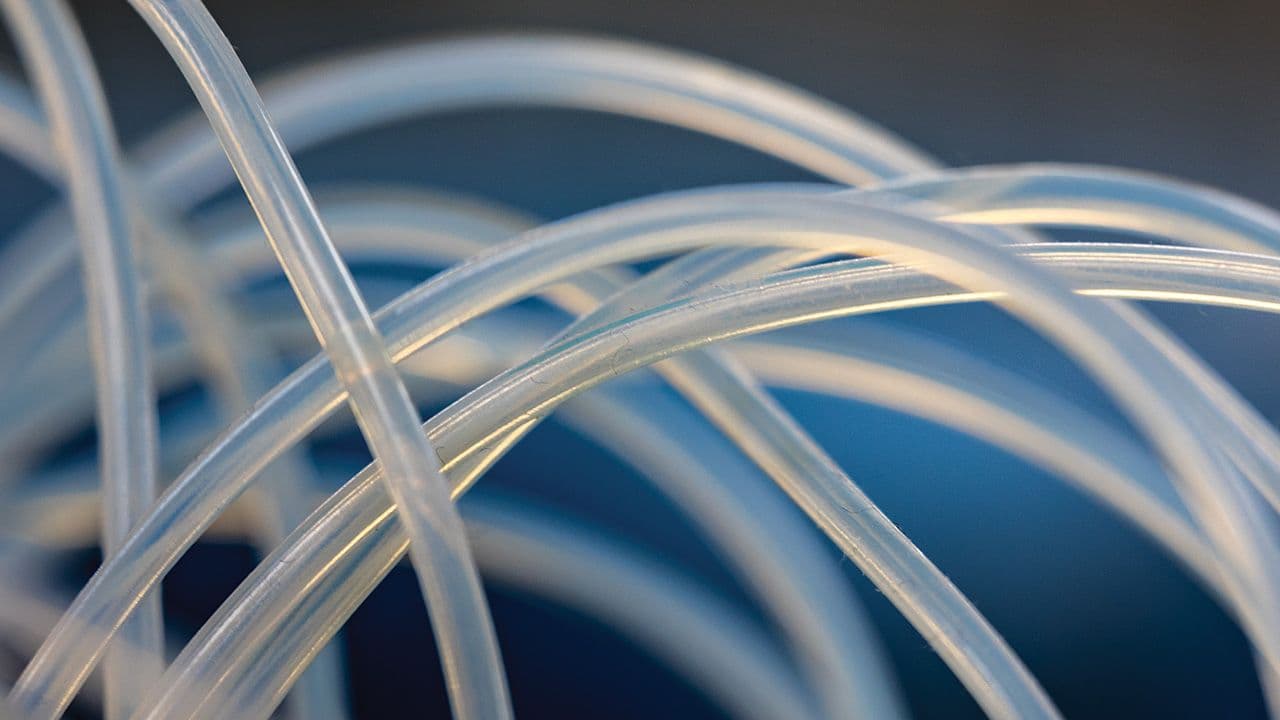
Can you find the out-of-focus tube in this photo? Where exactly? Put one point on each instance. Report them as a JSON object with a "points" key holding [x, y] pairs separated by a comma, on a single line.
{"points": [[612, 359], [63, 73], [237, 371], [614, 227], [447, 575]]}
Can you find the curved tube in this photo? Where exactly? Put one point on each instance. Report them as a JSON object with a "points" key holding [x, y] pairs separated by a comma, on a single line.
{"points": [[1088, 196], [749, 527], [341, 520], [239, 373], [970, 645], [881, 365], [56, 56], [1215, 444], [702, 637], [852, 684], [337, 97], [640, 597], [859, 694], [399, 336], [1119, 249], [447, 575], [344, 95]]}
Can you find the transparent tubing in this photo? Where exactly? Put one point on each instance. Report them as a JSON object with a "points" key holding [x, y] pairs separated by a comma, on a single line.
{"points": [[674, 619], [917, 246], [606, 367], [372, 232], [1240, 415], [632, 301], [1254, 228], [851, 681], [1124, 271], [703, 377], [447, 575], [1066, 195], [632, 441], [1049, 194], [706, 381], [264, 430], [645, 439], [380, 86], [896, 369], [812, 636], [341, 95], [259, 689], [58, 61], [819, 616], [1258, 458], [803, 367], [329, 98], [546, 386], [1053, 195], [576, 569], [238, 372], [1078, 196], [880, 365]]}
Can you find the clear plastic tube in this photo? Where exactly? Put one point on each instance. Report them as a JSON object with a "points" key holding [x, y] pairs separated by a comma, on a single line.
{"points": [[343, 95], [572, 567], [321, 101], [612, 359], [1217, 455], [756, 534], [266, 430], [353, 524], [1100, 198], [691, 92], [969, 646], [1057, 194], [830, 637], [898, 370], [337, 97], [56, 57], [663, 614], [238, 372], [683, 275], [884, 366], [447, 575], [851, 682], [814, 638], [704, 638]]}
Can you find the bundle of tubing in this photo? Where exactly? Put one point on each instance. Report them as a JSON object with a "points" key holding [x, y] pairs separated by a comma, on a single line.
{"points": [[932, 237]]}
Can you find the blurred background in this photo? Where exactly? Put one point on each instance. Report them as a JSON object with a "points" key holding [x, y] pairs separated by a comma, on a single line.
{"points": [[1111, 628]]}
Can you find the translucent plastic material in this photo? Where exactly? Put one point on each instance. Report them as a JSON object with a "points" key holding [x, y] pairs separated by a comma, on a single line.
{"points": [[1205, 486], [56, 56], [338, 515], [459, 612], [238, 372], [567, 269]]}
